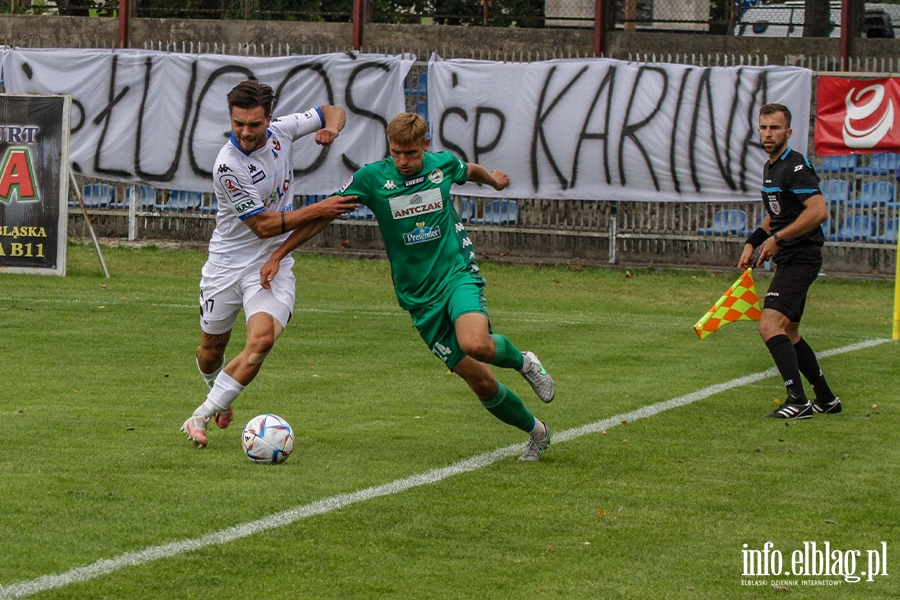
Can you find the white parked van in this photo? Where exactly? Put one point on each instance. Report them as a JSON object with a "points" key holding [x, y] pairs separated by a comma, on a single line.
{"points": [[787, 19]]}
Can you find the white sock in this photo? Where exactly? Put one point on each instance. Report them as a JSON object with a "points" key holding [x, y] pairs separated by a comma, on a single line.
{"points": [[539, 432], [210, 378], [224, 391]]}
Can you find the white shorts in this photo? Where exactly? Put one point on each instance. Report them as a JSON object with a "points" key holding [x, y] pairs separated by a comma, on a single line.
{"points": [[224, 292]]}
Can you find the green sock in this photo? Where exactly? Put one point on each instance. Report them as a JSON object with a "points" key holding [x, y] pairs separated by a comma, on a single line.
{"points": [[508, 356], [509, 408]]}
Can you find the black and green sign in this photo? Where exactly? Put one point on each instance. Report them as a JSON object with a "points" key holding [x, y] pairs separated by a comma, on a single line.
{"points": [[34, 183]]}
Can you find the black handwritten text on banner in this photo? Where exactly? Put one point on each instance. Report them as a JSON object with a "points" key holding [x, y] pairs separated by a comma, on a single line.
{"points": [[611, 130], [161, 118]]}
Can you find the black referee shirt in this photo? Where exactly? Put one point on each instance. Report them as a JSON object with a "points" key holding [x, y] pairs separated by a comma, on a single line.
{"points": [[787, 184]]}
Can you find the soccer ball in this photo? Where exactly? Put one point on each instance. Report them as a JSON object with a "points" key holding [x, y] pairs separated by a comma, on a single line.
{"points": [[267, 439]]}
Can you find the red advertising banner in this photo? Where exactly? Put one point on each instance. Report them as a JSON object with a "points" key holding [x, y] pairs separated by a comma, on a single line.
{"points": [[857, 116]]}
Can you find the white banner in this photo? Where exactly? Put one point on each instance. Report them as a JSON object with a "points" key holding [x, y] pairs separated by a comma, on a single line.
{"points": [[160, 118], [604, 129]]}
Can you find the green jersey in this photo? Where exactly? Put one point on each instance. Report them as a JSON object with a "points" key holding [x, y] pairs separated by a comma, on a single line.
{"points": [[427, 245]]}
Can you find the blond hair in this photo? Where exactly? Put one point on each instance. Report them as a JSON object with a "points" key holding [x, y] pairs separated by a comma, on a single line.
{"points": [[406, 129]]}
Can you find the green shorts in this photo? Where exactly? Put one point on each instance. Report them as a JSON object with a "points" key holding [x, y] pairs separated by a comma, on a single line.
{"points": [[435, 322]]}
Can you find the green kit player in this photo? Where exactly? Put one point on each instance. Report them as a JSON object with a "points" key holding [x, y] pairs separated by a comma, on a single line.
{"points": [[434, 271]]}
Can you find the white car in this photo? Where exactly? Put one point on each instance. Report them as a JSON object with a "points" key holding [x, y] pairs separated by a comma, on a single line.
{"points": [[787, 20]]}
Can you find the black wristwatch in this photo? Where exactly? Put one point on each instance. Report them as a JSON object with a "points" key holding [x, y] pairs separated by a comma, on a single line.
{"points": [[778, 241]]}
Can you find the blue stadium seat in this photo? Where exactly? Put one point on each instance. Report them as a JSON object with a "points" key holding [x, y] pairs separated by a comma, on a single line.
{"points": [[875, 193], [467, 210], [837, 164], [858, 228], [828, 230], [731, 221], [500, 212], [421, 88], [881, 163], [760, 219], [422, 110], [890, 232], [183, 200], [144, 195], [98, 195], [835, 191]]}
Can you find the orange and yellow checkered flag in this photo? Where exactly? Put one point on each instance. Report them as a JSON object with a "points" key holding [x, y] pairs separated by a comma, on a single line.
{"points": [[739, 303]]}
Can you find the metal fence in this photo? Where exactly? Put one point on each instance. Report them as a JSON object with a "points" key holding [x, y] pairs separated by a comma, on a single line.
{"points": [[861, 191], [710, 16]]}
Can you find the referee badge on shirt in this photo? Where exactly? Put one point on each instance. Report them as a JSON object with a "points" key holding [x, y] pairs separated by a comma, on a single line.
{"points": [[774, 204]]}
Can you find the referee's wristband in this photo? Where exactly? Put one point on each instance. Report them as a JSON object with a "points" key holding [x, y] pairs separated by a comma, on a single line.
{"points": [[758, 237]]}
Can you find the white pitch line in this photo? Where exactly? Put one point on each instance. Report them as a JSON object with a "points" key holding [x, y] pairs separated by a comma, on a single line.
{"points": [[326, 505]]}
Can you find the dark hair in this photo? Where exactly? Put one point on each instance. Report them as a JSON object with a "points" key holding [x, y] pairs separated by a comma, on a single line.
{"points": [[250, 94], [771, 109], [407, 128]]}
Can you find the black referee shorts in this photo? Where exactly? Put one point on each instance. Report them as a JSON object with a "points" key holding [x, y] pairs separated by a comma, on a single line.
{"points": [[789, 287]]}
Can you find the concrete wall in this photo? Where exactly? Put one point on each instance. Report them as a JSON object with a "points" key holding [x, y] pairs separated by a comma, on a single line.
{"points": [[450, 41]]}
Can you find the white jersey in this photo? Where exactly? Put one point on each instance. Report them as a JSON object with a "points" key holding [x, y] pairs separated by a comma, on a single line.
{"points": [[248, 184]]}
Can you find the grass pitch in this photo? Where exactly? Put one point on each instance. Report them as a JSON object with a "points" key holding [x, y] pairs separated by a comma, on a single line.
{"points": [[102, 497]]}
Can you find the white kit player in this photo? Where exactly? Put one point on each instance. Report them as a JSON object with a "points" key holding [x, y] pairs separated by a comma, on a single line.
{"points": [[252, 179]]}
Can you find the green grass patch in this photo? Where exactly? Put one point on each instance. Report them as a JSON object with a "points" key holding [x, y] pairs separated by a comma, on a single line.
{"points": [[100, 375]]}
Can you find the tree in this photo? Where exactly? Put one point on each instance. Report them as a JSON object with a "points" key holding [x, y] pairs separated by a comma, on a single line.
{"points": [[817, 19]]}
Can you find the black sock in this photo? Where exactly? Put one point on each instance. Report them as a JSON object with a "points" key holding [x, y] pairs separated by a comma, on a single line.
{"points": [[809, 366], [782, 351]]}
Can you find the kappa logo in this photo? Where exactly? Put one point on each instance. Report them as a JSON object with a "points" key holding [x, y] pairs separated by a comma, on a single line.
{"points": [[389, 185], [863, 126], [223, 168]]}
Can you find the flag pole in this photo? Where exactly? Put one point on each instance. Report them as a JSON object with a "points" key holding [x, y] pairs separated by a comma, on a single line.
{"points": [[87, 220], [896, 335]]}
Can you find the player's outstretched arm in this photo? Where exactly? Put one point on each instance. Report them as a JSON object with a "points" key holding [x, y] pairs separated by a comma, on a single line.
{"points": [[335, 119], [298, 237], [496, 179], [270, 224], [305, 232]]}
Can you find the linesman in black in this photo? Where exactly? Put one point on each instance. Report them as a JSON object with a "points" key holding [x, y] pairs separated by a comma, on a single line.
{"points": [[791, 236]]}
